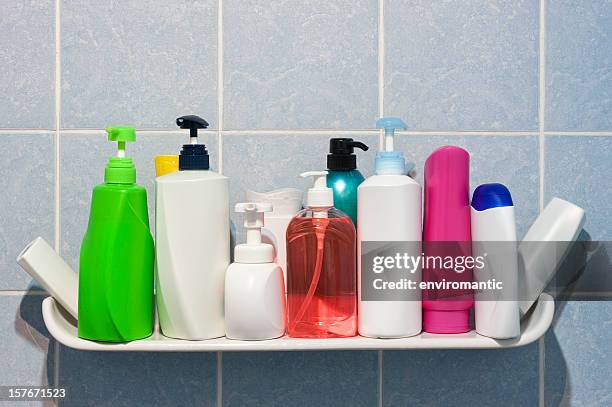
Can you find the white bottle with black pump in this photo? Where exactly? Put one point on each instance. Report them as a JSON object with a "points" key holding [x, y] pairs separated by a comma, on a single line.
{"points": [[254, 284], [192, 243]]}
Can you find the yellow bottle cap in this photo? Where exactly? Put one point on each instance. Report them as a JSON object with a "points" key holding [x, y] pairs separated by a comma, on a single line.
{"points": [[165, 164]]}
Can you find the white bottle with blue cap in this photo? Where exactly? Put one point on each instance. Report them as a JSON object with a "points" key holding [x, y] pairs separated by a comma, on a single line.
{"points": [[494, 241], [389, 219]]}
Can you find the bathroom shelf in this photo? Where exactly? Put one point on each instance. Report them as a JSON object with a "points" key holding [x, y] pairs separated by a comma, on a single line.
{"points": [[63, 328]]}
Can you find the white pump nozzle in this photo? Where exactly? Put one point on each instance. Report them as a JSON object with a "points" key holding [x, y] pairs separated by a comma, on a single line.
{"points": [[254, 251], [319, 195], [254, 219]]}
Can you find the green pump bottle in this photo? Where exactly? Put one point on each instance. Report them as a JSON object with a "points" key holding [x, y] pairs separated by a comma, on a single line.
{"points": [[343, 177], [117, 255]]}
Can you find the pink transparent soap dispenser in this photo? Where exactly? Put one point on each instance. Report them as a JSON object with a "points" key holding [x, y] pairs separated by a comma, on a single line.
{"points": [[321, 268], [447, 232]]}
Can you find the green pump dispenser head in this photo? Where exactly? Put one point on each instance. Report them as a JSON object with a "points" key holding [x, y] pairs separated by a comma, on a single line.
{"points": [[120, 169]]}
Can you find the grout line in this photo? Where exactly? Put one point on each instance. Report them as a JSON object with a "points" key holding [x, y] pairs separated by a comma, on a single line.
{"points": [[219, 379], [542, 99], [381, 67], [140, 132], [296, 132], [11, 293], [377, 132], [542, 156], [220, 90], [58, 107], [381, 365], [220, 87], [585, 133], [579, 133], [541, 366], [56, 367], [27, 131]]}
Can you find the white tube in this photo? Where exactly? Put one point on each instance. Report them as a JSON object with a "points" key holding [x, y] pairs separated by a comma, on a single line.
{"points": [[494, 238], [545, 246], [41, 262]]}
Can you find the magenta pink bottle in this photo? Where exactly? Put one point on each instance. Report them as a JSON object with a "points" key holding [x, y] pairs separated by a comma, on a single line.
{"points": [[446, 232], [321, 268]]}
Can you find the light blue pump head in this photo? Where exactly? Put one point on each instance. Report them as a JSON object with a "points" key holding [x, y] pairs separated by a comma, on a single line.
{"points": [[390, 124], [389, 161]]}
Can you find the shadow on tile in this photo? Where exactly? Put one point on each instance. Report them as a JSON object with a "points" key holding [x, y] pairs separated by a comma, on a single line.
{"points": [[29, 327], [557, 380]]}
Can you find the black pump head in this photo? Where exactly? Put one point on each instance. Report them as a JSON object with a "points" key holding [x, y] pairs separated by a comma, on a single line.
{"points": [[341, 153], [193, 156], [193, 123]]}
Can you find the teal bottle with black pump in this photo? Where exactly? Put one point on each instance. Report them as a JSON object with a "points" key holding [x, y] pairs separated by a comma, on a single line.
{"points": [[343, 176]]}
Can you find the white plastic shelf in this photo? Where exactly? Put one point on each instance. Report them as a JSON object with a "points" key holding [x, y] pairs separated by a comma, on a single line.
{"points": [[63, 328]]}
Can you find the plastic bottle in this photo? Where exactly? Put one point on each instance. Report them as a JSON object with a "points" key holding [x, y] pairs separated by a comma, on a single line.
{"points": [[389, 210], [40, 261], [117, 255], [342, 174], [286, 202], [446, 232], [254, 286], [544, 248], [321, 281], [494, 238], [192, 242]]}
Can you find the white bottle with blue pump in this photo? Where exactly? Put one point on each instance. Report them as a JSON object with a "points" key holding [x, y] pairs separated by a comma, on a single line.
{"points": [[388, 211], [254, 284]]}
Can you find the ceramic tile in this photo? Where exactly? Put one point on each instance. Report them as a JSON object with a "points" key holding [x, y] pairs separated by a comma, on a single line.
{"points": [[578, 65], [579, 356], [300, 64], [27, 350], [27, 162], [507, 377], [462, 65], [123, 63], [578, 169], [330, 378], [27, 52], [138, 379]]}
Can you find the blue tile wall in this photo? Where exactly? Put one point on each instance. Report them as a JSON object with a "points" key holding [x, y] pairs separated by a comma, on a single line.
{"points": [[300, 378], [507, 377], [578, 370], [138, 379], [579, 169], [27, 351], [578, 347], [27, 201], [143, 65], [300, 64], [462, 65], [27, 52], [579, 65], [293, 74]]}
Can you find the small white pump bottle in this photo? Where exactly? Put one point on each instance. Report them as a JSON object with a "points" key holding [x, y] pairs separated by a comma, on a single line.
{"points": [[494, 240], [254, 286], [389, 218]]}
